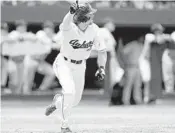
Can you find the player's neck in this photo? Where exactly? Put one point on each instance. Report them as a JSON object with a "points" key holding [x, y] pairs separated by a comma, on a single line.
{"points": [[82, 27]]}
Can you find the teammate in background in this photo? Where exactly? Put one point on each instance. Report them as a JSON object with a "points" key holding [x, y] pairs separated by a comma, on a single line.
{"points": [[4, 61], [110, 42], [16, 52], [79, 35], [36, 62], [7, 66], [131, 53], [168, 63], [154, 46]]}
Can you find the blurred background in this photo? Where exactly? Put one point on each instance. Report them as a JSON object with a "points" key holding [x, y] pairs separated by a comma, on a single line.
{"points": [[30, 41]]}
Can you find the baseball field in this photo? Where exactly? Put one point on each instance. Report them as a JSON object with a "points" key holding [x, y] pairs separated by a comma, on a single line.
{"points": [[93, 115]]}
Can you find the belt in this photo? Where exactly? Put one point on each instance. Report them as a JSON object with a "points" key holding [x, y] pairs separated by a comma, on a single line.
{"points": [[73, 61]]}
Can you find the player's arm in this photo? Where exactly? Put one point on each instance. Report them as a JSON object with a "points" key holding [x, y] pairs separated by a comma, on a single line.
{"points": [[146, 47], [171, 42], [102, 57], [68, 19]]}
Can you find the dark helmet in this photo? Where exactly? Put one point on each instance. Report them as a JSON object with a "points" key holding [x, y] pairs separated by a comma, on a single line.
{"points": [[4, 26], [83, 13], [157, 27], [48, 24]]}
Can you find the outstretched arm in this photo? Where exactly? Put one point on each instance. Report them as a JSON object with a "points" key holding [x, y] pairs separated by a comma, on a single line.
{"points": [[68, 19]]}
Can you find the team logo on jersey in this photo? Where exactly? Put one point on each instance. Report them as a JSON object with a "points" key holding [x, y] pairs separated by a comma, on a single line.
{"points": [[76, 45]]}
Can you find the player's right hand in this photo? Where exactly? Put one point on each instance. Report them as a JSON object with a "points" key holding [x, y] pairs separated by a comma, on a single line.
{"points": [[73, 8]]}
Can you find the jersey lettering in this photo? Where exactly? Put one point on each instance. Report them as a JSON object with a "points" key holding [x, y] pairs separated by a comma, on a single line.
{"points": [[76, 45]]}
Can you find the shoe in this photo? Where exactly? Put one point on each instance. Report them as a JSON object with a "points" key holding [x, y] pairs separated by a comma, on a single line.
{"points": [[66, 130], [52, 107]]}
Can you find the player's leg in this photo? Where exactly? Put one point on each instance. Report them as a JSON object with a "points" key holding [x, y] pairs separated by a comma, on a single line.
{"points": [[49, 76], [130, 75], [168, 76], [137, 87], [17, 75], [65, 100], [146, 77], [79, 80], [29, 73], [12, 70], [4, 71]]}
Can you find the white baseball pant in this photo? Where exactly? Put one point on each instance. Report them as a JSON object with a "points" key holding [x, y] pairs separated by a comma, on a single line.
{"points": [[168, 74], [72, 78]]}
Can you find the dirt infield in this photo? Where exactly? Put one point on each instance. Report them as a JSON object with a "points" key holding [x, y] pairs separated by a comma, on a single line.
{"points": [[91, 116]]}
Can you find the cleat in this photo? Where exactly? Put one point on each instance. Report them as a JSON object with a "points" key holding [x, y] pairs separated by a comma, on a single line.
{"points": [[50, 109], [66, 130]]}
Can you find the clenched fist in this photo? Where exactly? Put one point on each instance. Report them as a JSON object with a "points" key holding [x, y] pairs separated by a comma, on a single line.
{"points": [[100, 74], [73, 8]]}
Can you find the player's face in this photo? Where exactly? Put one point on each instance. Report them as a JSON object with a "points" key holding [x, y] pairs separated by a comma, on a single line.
{"points": [[87, 23], [158, 32], [90, 21]]}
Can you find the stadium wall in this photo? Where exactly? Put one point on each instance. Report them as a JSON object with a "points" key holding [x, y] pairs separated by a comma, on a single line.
{"points": [[130, 17]]}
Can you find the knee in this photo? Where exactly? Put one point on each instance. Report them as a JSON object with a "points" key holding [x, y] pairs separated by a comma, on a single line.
{"points": [[69, 89]]}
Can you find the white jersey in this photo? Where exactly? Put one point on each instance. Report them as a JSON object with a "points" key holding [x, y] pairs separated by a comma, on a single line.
{"points": [[77, 45]]}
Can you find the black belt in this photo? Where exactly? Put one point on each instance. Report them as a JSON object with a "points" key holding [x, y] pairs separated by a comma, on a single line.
{"points": [[74, 61]]}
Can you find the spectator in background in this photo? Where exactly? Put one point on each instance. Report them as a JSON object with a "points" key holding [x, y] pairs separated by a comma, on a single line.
{"points": [[131, 53], [36, 61], [154, 46]]}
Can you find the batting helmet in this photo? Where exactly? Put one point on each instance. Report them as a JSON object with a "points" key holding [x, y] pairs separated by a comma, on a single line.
{"points": [[83, 13], [157, 27]]}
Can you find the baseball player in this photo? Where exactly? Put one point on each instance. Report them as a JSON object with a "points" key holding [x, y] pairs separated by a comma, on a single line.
{"points": [[154, 46], [167, 68], [36, 62], [79, 35]]}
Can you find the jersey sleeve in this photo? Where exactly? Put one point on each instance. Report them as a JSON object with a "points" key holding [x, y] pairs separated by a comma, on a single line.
{"points": [[149, 38], [99, 43]]}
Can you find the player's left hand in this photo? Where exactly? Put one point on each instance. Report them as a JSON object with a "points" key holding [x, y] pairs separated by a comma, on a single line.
{"points": [[73, 8], [100, 74]]}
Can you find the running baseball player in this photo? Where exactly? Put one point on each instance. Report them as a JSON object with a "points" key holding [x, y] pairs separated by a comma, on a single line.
{"points": [[79, 35]]}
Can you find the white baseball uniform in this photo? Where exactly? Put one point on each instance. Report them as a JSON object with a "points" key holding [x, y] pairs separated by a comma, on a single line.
{"points": [[167, 67], [70, 64]]}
